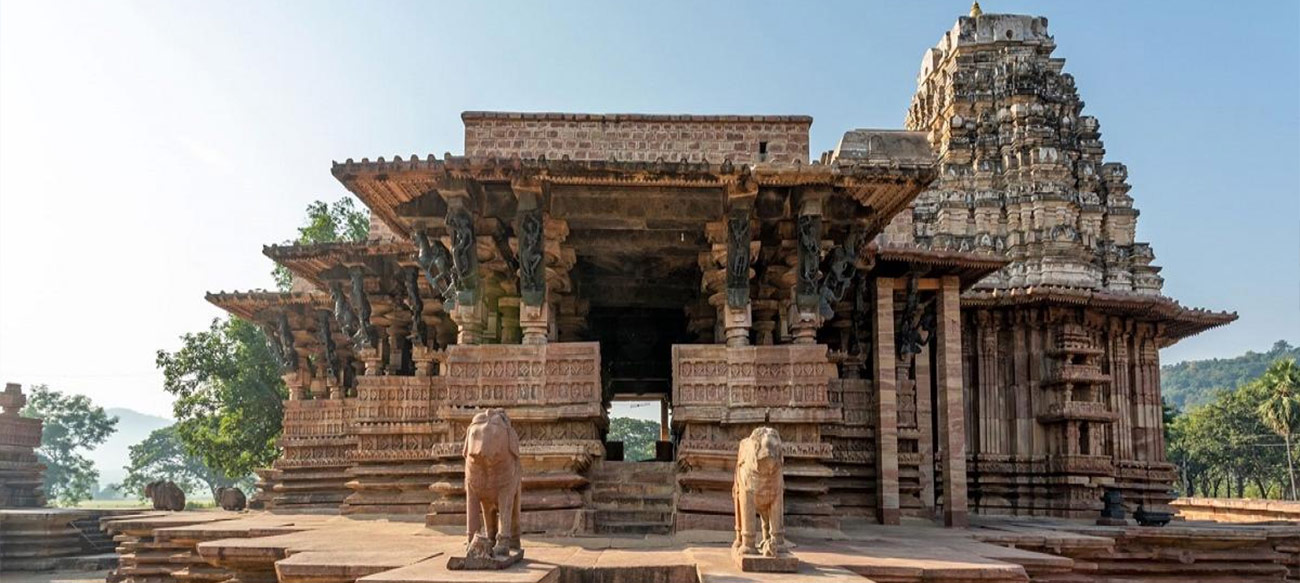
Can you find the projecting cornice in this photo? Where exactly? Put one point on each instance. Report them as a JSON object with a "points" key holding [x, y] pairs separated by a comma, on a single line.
{"points": [[885, 184]]}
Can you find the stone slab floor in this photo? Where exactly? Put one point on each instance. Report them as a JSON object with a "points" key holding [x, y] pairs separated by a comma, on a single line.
{"points": [[256, 547], [54, 577]]}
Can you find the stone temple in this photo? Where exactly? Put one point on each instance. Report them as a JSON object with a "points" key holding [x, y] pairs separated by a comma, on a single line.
{"points": [[948, 319], [947, 325]]}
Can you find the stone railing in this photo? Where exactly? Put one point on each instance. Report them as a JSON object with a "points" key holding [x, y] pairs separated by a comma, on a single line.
{"points": [[1237, 509]]}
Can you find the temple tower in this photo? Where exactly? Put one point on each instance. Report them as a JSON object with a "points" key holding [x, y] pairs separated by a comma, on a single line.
{"points": [[1061, 344]]}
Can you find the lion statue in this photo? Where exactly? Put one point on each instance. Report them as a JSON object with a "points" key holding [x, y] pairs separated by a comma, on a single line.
{"points": [[492, 484], [759, 489], [231, 498], [165, 494]]}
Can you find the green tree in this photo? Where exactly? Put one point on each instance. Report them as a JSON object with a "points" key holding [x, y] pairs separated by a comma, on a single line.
{"points": [[638, 437], [1195, 382], [162, 456], [71, 423], [327, 223], [1280, 407], [229, 396]]}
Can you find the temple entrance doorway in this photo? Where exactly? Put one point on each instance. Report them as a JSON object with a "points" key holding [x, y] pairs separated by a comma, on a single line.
{"points": [[636, 356]]}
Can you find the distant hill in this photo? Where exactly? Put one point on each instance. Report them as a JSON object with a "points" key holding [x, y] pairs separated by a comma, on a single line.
{"points": [[132, 427], [1194, 382]]}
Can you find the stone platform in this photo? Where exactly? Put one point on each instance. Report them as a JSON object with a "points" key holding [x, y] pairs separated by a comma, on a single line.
{"points": [[261, 547], [41, 539]]}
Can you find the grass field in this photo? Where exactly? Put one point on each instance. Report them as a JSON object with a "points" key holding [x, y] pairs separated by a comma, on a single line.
{"points": [[141, 504]]}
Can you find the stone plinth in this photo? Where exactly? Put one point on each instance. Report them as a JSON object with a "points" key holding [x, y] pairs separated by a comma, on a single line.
{"points": [[318, 442], [493, 563], [552, 394], [752, 563], [396, 427], [720, 395]]}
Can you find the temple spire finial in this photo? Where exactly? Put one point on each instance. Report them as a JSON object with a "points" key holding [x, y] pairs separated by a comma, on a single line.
{"points": [[975, 9]]}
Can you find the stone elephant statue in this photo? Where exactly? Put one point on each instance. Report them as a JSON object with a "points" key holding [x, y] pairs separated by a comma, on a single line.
{"points": [[492, 483], [759, 489], [231, 498], [166, 495]]}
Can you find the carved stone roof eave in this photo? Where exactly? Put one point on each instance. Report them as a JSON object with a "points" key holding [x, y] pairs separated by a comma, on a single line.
{"points": [[382, 185], [308, 260], [969, 267], [254, 305], [1177, 321]]}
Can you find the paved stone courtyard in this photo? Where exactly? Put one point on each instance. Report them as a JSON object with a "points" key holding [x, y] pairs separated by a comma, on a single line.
{"points": [[264, 547]]}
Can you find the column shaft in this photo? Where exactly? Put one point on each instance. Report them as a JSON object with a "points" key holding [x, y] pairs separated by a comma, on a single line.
{"points": [[952, 422], [886, 405]]}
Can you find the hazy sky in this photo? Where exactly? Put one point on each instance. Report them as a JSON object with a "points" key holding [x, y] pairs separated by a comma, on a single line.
{"points": [[148, 150]]}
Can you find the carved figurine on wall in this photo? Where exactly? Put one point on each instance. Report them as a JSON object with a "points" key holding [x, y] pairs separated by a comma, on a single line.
{"points": [[492, 491], [759, 489]]}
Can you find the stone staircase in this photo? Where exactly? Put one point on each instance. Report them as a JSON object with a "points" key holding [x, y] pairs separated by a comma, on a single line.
{"points": [[634, 498], [93, 540]]}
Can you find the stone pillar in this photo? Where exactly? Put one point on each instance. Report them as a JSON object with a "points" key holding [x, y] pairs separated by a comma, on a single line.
{"points": [[952, 422], [886, 383], [295, 382], [663, 419], [925, 431], [509, 307]]}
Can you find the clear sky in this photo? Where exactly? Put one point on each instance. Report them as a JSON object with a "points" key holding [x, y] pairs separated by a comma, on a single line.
{"points": [[148, 150]]}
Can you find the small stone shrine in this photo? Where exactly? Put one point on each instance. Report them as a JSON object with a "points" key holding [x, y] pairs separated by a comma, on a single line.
{"points": [[20, 472]]}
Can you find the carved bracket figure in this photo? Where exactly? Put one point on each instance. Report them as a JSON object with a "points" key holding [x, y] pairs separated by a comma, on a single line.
{"points": [[916, 322], [738, 257], [759, 489], [365, 334], [532, 270], [419, 329], [464, 255], [809, 232], [434, 257], [343, 310], [493, 476], [280, 340], [327, 343]]}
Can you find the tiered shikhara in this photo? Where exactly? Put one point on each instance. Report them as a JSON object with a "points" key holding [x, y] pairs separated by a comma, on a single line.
{"points": [[930, 334]]}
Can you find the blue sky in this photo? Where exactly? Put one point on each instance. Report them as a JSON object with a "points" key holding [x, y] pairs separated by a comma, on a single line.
{"points": [[148, 150]]}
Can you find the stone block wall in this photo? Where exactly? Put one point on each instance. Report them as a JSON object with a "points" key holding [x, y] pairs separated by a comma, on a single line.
{"points": [[743, 139]]}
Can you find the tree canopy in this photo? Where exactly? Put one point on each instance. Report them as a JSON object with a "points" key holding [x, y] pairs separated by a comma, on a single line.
{"points": [[71, 423], [229, 396], [162, 456], [638, 437], [327, 223], [1233, 445], [1195, 382]]}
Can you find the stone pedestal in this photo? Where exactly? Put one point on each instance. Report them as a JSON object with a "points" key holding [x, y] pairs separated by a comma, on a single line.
{"points": [[535, 322], [804, 325], [736, 323], [782, 563], [485, 563]]}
